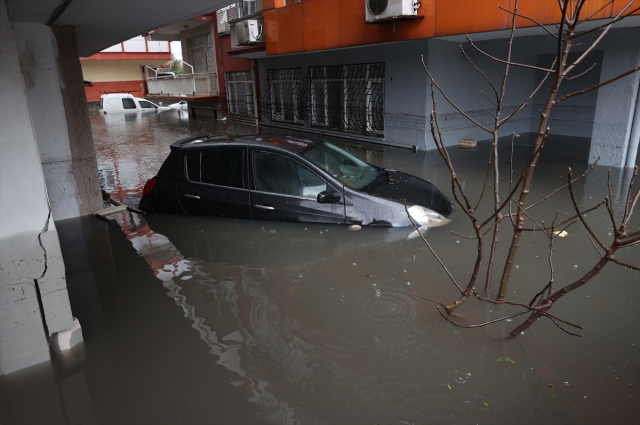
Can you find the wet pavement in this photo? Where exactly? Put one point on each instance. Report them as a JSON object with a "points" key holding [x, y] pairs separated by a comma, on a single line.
{"points": [[204, 320]]}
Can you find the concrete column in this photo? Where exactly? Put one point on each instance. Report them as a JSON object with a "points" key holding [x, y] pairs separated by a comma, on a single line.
{"points": [[55, 92], [616, 102], [34, 303]]}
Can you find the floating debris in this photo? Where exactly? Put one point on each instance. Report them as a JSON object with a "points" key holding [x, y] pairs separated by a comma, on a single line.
{"points": [[354, 227], [561, 234]]}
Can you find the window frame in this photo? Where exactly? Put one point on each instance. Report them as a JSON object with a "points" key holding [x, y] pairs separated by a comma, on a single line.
{"points": [[243, 162], [293, 158], [135, 104]]}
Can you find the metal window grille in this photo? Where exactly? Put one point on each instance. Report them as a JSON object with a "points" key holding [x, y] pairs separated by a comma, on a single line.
{"points": [[343, 97], [284, 99], [239, 97], [347, 97], [202, 57]]}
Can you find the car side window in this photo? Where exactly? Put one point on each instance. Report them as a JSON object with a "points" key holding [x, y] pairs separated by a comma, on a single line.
{"points": [[222, 168], [145, 104], [193, 166], [128, 103], [278, 174]]}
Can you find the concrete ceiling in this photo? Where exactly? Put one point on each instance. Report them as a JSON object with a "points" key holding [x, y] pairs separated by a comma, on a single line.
{"points": [[103, 23], [172, 32]]}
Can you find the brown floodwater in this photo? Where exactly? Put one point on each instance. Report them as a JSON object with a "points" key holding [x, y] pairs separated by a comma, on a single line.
{"points": [[205, 320]]}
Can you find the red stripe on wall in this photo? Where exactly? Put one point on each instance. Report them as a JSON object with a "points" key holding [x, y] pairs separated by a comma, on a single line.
{"points": [[136, 88]]}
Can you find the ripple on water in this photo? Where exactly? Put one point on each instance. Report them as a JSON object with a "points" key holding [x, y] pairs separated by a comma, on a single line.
{"points": [[404, 339], [387, 305]]}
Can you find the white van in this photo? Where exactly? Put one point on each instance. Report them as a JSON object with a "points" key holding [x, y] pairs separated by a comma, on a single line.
{"points": [[125, 102]]}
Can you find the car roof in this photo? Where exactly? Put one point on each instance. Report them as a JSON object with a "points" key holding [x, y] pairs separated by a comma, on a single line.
{"points": [[116, 95], [293, 144]]}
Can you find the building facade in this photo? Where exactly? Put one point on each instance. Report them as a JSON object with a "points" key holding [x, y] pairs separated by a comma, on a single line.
{"points": [[340, 67], [124, 67]]}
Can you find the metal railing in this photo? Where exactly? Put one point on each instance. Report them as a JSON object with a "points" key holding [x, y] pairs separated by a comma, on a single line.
{"points": [[185, 85]]}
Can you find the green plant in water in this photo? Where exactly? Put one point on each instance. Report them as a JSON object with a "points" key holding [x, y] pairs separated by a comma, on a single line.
{"points": [[505, 359]]}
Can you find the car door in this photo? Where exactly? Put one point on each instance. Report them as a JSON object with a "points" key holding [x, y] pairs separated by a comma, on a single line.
{"points": [[146, 106], [212, 181], [283, 188]]}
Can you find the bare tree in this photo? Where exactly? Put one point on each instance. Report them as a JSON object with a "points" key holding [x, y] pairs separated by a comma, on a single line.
{"points": [[567, 31]]}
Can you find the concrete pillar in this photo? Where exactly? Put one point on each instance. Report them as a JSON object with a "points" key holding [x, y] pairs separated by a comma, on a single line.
{"points": [[55, 92], [616, 102], [34, 303]]}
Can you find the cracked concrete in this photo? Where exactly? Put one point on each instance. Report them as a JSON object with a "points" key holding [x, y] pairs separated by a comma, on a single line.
{"points": [[29, 247]]}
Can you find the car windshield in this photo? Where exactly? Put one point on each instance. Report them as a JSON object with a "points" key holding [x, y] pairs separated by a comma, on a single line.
{"points": [[341, 164]]}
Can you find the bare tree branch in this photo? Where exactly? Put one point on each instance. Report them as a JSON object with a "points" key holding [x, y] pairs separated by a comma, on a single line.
{"points": [[530, 97], [611, 80], [580, 214], [581, 74], [450, 101], [481, 73], [622, 263], [562, 187], [530, 19], [506, 62], [431, 249]]}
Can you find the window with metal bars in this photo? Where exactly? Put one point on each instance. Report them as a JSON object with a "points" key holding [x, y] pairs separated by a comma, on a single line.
{"points": [[284, 99], [240, 94], [347, 97], [342, 97], [201, 54]]}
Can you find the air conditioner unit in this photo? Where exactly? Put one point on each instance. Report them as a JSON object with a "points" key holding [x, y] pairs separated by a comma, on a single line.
{"points": [[223, 18], [390, 9], [247, 32]]}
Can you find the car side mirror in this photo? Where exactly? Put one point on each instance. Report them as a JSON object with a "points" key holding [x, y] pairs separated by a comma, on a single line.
{"points": [[327, 197]]}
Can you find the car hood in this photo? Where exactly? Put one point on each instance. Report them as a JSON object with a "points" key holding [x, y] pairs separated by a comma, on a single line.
{"points": [[400, 186]]}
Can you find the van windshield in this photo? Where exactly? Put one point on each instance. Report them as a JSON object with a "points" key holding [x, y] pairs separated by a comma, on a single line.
{"points": [[347, 168]]}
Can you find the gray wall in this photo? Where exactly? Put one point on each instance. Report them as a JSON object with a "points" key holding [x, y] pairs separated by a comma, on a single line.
{"points": [[607, 118]]}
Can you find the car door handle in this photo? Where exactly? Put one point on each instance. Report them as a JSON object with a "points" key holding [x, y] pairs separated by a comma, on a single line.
{"points": [[187, 195], [264, 207]]}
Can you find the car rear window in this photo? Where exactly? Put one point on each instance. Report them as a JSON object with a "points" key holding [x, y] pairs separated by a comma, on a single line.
{"points": [[193, 167], [222, 168], [128, 103]]}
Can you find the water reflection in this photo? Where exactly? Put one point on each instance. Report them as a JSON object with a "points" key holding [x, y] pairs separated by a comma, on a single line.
{"points": [[204, 320]]}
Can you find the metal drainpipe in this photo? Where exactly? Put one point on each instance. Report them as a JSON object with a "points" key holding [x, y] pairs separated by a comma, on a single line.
{"points": [[634, 138], [255, 93]]}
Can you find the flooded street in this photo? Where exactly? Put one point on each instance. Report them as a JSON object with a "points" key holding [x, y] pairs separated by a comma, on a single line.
{"points": [[205, 320]]}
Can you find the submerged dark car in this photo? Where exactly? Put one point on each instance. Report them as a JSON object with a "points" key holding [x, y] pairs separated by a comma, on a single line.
{"points": [[287, 178]]}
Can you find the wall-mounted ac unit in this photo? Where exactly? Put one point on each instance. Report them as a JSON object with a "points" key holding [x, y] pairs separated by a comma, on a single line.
{"points": [[389, 9], [223, 18], [247, 32]]}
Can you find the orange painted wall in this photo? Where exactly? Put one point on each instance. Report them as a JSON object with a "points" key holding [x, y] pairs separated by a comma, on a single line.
{"points": [[136, 88], [328, 24]]}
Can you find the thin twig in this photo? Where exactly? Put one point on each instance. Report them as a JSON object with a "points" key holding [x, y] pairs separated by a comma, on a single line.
{"points": [[530, 97], [532, 20], [594, 245], [580, 214], [561, 328], [598, 11], [481, 73], [481, 324], [450, 101], [622, 263], [431, 249], [581, 74], [564, 186], [508, 63]]}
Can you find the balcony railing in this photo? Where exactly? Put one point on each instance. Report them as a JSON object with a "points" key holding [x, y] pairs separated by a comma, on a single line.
{"points": [[188, 85]]}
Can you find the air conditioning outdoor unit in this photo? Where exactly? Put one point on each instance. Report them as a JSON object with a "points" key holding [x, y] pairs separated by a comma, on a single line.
{"points": [[390, 9], [223, 18], [247, 32]]}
